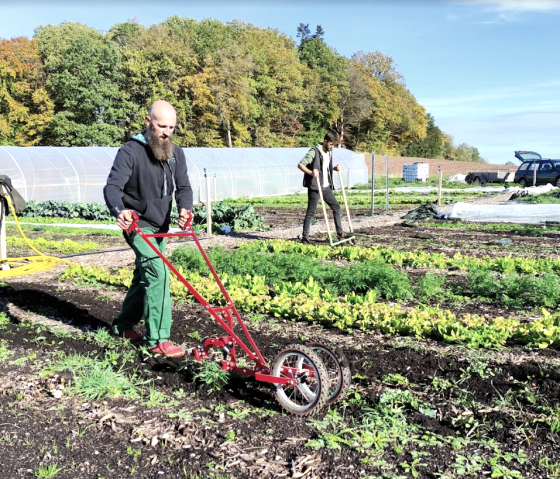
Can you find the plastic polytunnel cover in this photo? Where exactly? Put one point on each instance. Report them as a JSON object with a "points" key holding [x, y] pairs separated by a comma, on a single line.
{"points": [[78, 174]]}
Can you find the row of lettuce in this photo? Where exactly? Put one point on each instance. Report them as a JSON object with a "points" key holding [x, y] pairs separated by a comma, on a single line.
{"points": [[351, 299]]}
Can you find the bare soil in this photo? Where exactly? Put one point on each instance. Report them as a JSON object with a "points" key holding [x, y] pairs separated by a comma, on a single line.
{"points": [[116, 438], [447, 167]]}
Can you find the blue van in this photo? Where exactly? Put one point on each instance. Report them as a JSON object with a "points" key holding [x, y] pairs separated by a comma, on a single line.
{"points": [[547, 170]]}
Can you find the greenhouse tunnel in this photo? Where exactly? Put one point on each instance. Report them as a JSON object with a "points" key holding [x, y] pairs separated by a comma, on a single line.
{"points": [[78, 174]]}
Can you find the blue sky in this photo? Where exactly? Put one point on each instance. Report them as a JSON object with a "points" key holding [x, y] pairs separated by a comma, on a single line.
{"points": [[485, 69]]}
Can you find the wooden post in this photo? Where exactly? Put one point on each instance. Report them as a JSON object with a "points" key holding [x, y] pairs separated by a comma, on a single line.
{"points": [[349, 182], [3, 253], [440, 181], [386, 183], [208, 205], [534, 174], [215, 189], [372, 179]]}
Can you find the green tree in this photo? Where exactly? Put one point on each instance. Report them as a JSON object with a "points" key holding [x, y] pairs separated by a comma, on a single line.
{"points": [[277, 88], [83, 77], [466, 152], [328, 87], [431, 146], [158, 63], [463, 152]]}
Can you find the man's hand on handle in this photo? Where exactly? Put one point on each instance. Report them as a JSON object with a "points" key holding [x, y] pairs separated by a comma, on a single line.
{"points": [[183, 218], [124, 220], [315, 173], [336, 168]]}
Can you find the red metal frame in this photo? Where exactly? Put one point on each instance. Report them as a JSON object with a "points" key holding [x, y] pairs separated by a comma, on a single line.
{"points": [[222, 314]]}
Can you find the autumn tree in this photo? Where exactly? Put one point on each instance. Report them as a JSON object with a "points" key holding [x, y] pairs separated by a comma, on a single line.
{"points": [[355, 102], [25, 106], [396, 119], [230, 76], [277, 88], [232, 84]]}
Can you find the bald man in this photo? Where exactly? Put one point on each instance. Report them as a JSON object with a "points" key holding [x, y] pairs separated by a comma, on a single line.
{"points": [[147, 171]]}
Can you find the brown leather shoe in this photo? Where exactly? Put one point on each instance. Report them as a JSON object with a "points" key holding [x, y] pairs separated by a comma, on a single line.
{"points": [[133, 336], [167, 349]]}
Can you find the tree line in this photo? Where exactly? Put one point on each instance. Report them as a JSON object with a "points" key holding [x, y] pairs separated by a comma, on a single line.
{"points": [[232, 84]]}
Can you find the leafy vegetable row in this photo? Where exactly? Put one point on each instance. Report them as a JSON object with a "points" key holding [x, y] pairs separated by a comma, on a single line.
{"points": [[66, 246], [309, 302], [504, 264], [507, 289], [223, 212]]}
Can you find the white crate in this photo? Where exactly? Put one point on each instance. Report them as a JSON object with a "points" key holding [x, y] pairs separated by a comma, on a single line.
{"points": [[416, 172]]}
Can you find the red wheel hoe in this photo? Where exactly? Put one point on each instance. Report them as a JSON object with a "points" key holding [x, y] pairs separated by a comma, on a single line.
{"points": [[304, 377]]}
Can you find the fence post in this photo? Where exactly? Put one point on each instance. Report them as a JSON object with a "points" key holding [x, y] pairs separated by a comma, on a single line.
{"points": [[208, 205], [386, 183], [440, 180], [372, 179]]}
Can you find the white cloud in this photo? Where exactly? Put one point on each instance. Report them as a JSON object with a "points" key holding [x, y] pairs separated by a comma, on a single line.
{"points": [[515, 5], [538, 97]]}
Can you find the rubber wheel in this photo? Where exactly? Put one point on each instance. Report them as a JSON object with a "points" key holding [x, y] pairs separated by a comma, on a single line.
{"points": [[310, 395], [557, 182], [337, 367], [523, 182]]}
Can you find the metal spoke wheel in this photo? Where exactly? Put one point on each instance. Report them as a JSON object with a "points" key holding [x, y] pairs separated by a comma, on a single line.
{"points": [[337, 367], [311, 392]]}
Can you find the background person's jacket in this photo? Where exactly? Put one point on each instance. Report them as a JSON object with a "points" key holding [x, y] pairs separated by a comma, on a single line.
{"points": [[140, 182], [314, 157]]}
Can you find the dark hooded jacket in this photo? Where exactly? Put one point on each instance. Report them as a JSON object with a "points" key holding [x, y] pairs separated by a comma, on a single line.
{"points": [[140, 182], [314, 161]]}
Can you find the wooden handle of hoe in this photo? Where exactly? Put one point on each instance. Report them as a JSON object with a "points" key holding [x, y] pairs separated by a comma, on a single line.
{"points": [[345, 201], [324, 209]]}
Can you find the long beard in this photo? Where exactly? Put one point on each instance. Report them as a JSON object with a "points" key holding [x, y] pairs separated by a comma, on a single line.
{"points": [[161, 149]]}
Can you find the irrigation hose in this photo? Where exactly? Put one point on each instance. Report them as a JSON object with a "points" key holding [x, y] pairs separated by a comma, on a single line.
{"points": [[11, 267]]}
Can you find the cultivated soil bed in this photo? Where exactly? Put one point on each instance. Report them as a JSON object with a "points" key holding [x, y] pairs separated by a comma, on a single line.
{"points": [[416, 408]]}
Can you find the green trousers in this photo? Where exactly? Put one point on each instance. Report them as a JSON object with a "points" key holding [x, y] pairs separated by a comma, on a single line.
{"points": [[148, 296]]}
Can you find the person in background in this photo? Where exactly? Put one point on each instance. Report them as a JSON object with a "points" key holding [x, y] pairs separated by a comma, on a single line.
{"points": [[146, 173], [317, 166]]}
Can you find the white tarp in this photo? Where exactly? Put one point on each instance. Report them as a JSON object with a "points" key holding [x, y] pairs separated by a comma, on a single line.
{"points": [[523, 214], [458, 178], [533, 190]]}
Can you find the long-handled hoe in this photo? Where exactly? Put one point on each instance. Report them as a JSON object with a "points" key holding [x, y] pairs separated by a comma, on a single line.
{"points": [[329, 233], [304, 377]]}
